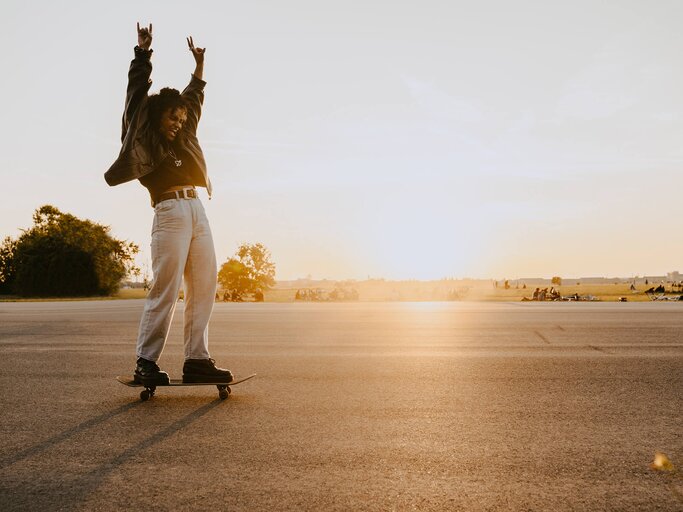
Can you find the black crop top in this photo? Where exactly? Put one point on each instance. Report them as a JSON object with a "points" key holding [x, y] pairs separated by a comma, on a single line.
{"points": [[168, 174]]}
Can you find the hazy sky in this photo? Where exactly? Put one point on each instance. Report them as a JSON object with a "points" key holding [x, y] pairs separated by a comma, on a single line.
{"points": [[394, 139]]}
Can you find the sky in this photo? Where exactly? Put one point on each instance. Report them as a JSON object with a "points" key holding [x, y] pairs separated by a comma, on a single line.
{"points": [[389, 139]]}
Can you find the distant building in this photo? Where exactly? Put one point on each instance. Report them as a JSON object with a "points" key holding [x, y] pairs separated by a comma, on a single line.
{"points": [[594, 280], [538, 281], [604, 280], [674, 276]]}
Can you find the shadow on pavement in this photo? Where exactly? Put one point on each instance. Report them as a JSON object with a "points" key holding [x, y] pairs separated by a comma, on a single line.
{"points": [[67, 494], [90, 482], [55, 440]]}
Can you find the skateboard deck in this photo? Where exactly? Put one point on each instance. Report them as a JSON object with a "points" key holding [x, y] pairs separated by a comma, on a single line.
{"points": [[147, 393]]}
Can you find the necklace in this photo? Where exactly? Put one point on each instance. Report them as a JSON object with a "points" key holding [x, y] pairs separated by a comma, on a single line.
{"points": [[178, 162]]}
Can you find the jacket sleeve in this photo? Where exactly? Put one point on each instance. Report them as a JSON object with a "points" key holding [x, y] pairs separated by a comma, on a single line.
{"points": [[138, 85], [194, 96]]}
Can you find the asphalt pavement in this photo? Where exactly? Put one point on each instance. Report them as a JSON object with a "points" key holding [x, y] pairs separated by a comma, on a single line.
{"points": [[356, 406]]}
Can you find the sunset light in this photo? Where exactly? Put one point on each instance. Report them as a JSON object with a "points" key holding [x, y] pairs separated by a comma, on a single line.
{"points": [[341, 255], [403, 142]]}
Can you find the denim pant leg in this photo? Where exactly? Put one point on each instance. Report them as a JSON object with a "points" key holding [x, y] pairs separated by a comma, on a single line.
{"points": [[200, 285], [171, 236]]}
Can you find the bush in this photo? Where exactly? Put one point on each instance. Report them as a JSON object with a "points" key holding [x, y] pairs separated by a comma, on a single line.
{"points": [[62, 255]]}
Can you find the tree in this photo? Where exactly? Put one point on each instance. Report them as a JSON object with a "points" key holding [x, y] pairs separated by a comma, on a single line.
{"points": [[62, 255], [249, 271], [556, 280], [7, 268], [234, 276]]}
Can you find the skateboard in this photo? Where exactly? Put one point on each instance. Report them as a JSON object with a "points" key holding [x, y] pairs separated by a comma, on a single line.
{"points": [[147, 393]]}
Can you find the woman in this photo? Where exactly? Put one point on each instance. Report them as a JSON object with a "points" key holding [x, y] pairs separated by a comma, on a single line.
{"points": [[161, 150]]}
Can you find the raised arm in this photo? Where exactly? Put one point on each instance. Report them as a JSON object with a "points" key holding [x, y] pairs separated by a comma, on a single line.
{"points": [[198, 54], [138, 77], [194, 92]]}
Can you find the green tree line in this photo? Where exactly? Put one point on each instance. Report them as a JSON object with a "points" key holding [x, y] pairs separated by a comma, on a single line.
{"points": [[62, 255]]}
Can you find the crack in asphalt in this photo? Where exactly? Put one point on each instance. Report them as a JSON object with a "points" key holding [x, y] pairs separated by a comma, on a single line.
{"points": [[545, 340]]}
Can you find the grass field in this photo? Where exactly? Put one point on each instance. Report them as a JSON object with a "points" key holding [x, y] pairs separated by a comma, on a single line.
{"points": [[125, 293], [419, 291], [603, 292], [425, 291]]}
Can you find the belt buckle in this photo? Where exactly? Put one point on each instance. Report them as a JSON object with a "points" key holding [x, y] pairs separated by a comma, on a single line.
{"points": [[186, 193]]}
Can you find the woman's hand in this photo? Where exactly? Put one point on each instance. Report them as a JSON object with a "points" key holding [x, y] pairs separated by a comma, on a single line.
{"points": [[198, 54], [145, 36]]}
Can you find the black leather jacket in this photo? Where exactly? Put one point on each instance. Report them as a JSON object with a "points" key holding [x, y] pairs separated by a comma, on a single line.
{"points": [[142, 149]]}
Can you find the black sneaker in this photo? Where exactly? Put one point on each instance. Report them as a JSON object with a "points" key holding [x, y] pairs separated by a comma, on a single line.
{"points": [[204, 370], [148, 373]]}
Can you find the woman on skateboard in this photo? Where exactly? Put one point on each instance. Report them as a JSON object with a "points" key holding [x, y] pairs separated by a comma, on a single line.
{"points": [[161, 150]]}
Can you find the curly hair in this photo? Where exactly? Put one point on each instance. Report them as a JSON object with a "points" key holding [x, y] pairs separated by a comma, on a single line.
{"points": [[166, 98]]}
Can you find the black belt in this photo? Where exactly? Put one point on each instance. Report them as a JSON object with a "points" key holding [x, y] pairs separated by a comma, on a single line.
{"points": [[186, 193]]}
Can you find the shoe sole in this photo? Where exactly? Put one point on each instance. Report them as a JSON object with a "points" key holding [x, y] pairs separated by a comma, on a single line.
{"points": [[203, 379], [151, 382]]}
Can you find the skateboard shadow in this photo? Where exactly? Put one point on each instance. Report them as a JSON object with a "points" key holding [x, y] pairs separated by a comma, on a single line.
{"points": [[59, 438], [82, 486], [94, 479]]}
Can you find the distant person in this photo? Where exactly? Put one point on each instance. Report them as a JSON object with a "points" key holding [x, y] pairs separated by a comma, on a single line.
{"points": [[536, 293], [258, 296], [161, 150]]}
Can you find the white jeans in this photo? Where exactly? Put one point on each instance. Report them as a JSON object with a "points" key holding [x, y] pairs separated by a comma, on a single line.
{"points": [[182, 246]]}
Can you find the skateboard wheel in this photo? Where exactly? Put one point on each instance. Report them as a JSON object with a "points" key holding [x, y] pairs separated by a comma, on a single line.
{"points": [[223, 392], [145, 395]]}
